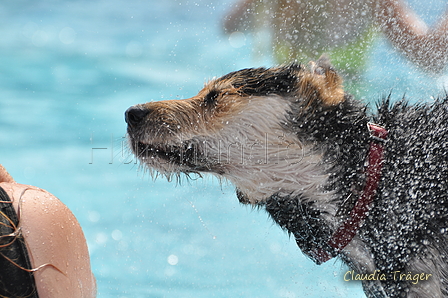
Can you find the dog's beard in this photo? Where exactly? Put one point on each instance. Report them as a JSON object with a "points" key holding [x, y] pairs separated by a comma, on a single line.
{"points": [[257, 163], [171, 158]]}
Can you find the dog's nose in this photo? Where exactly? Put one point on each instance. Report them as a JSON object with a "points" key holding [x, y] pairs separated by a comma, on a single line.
{"points": [[135, 114]]}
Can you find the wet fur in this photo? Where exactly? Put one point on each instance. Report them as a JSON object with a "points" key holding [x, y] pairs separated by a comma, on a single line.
{"points": [[293, 142]]}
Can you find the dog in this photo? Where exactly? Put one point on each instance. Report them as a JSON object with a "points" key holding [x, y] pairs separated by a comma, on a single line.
{"points": [[368, 187]]}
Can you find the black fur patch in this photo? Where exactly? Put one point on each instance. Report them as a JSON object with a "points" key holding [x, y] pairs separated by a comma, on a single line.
{"points": [[300, 219], [263, 81]]}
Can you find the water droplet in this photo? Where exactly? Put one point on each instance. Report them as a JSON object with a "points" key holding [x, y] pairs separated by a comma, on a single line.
{"points": [[172, 260], [117, 235]]}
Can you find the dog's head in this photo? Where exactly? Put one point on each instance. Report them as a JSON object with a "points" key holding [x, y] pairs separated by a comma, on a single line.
{"points": [[242, 126]]}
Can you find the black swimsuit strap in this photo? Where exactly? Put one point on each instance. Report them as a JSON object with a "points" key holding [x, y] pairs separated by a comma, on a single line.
{"points": [[14, 281]]}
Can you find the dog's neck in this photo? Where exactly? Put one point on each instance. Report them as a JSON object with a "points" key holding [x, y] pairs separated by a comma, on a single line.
{"points": [[344, 141], [343, 137], [310, 194], [348, 229]]}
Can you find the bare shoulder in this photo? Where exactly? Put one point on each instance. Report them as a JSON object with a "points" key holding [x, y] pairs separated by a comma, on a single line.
{"points": [[55, 242]]}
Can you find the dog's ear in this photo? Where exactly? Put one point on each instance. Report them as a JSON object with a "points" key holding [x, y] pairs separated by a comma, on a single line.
{"points": [[322, 82]]}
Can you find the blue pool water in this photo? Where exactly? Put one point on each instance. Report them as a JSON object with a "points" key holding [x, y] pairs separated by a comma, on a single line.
{"points": [[68, 71]]}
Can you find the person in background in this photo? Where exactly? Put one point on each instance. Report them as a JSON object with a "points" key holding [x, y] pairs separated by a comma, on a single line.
{"points": [[43, 251], [343, 29]]}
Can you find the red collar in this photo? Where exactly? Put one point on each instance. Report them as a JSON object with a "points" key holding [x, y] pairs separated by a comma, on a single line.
{"points": [[345, 233]]}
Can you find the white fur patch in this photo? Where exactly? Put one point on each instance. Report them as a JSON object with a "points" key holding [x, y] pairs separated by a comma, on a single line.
{"points": [[260, 160]]}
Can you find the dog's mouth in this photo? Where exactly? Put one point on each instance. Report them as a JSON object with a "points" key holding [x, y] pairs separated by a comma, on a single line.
{"points": [[186, 156]]}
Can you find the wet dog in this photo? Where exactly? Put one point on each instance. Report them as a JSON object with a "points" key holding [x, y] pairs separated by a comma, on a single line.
{"points": [[368, 187]]}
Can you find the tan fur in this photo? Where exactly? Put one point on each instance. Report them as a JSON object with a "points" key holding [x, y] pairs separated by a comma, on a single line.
{"points": [[322, 83], [192, 115]]}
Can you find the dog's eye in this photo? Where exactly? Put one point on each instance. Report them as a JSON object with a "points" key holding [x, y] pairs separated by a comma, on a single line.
{"points": [[210, 98]]}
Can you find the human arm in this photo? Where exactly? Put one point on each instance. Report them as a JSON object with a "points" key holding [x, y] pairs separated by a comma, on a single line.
{"points": [[4, 175], [55, 242], [424, 46], [239, 17]]}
